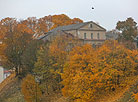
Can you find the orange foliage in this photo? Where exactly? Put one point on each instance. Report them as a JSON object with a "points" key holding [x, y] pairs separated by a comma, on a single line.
{"points": [[89, 72], [35, 26], [136, 96], [62, 20]]}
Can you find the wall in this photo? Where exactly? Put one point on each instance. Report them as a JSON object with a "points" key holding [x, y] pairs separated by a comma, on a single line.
{"points": [[1, 74], [88, 30], [88, 34], [94, 27]]}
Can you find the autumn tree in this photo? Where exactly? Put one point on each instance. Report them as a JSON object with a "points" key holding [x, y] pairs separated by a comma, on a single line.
{"points": [[77, 73], [45, 23], [62, 20], [76, 20], [128, 29], [28, 57], [30, 89], [16, 38], [42, 25], [15, 43], [119, 62], [88, 73], [50, 60], [36, 26], [43, 68], [7, 25], [14, 50]]}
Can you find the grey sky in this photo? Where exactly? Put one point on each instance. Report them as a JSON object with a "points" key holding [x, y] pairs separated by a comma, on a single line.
{"points": [[106, 12]]}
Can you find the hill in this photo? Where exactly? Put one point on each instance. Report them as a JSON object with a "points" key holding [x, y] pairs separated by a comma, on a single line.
{"points": [[10, 91]]}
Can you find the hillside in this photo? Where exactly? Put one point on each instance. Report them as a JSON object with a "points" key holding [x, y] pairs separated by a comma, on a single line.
{"points": [[10, 90]]}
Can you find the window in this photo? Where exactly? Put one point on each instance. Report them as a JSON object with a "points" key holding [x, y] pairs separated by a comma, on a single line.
{"points": [[91, 35], [98, 36], [84, 35], [90, 25]]}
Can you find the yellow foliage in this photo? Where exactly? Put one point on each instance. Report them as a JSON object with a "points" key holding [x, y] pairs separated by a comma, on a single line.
{"points": [[88, 72]]}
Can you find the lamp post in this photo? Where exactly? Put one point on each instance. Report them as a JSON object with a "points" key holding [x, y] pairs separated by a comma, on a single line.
{"points": [[37, 81], [137, 41]]}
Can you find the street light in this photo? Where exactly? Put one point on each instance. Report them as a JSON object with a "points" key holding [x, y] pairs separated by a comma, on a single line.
{"points": [[37, 80], [137, 41]]}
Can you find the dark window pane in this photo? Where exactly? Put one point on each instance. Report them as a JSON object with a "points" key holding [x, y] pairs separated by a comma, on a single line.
{"points": [[84, 35]]}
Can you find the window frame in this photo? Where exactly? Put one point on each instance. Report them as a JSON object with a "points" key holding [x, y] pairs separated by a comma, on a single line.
{"points": [[91, 35], [85, 36], [98, 35]]}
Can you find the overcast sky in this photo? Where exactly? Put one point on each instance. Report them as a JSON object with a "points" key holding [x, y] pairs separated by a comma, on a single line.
{"points": [[106, 12]]}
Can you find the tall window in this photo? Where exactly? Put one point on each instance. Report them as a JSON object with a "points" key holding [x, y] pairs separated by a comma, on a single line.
{"points": [[91, 35], [84, 35], [90, 25], [98, 36]]}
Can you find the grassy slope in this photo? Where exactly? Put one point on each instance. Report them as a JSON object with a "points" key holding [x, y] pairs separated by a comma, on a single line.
{"points": [[128, 95], [10, 90]]}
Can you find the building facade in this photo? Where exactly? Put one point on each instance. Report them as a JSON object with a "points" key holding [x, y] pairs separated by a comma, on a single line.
{"points": [[87, 32], [3, 73]]}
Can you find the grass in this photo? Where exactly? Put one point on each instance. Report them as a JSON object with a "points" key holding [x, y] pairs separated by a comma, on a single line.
{"points": [[10, 90], [128, 95]]}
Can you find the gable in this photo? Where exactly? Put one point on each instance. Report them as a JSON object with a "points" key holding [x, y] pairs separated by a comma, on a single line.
{"points": [[93, 26]]}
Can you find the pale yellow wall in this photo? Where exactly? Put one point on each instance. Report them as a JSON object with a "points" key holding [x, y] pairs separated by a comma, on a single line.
{"points": [[86, 29], [1, 74], [94, 27], [80, 34], [74, 32], [88, 34]]}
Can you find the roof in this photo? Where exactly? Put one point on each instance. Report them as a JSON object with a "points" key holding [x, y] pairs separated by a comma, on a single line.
{"points": [[68, 27], [111, 35], [73, 26], [7, 71]]}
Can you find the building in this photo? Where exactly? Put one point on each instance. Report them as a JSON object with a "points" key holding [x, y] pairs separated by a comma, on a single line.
{"points": [[3, 73], [112, 35], [136, 41], [87, 32]]}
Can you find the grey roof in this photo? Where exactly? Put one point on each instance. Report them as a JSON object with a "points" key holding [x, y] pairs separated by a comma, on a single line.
{"points": [[73, 26], [69, 27], [111, 35]]}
